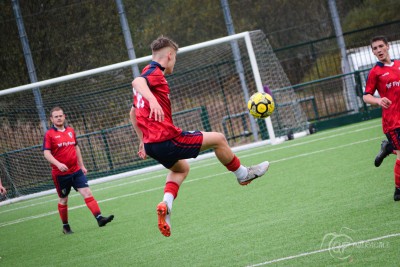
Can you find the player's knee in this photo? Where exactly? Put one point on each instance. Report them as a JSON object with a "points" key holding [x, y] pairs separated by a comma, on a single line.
{"points": [[181, 167], [221, 139], [185, 170], [63, 201], [85, 192], [218, 138]]}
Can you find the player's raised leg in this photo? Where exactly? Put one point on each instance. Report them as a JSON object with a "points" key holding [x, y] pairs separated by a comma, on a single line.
{"points": [[175, 177], [244, 175]]}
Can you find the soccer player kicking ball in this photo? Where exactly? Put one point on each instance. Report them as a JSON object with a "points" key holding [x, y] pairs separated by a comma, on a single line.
{"points": [[385, 77], [61, 149], [159, 138]]}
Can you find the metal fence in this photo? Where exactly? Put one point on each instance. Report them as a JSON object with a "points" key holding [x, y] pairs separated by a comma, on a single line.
{"points": [[320, 58]]}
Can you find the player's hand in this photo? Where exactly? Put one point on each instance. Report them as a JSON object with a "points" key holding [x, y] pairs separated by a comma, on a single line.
{"points": [[384, 102], [84, 170], [142, 153], [62, 167], [156, 110], [3, 191]]}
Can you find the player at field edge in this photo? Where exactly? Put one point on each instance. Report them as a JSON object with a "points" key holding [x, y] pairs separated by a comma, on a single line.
{"points": [[60, 148], [385, 78], [159, 138], [3, 191]]}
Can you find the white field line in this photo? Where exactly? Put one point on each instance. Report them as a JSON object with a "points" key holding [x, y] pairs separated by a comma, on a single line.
{"points": [[54, 198], [214, 163], [325, 250], [191, 180]]}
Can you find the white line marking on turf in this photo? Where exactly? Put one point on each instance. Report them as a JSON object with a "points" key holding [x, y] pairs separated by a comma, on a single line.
{"points": [[300, 144], [75, 207], [319, 151], [325, 250], [76, 195], [187, 181]]}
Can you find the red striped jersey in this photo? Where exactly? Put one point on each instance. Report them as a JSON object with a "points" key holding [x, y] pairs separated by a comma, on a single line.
{"points": [[155, 131]]}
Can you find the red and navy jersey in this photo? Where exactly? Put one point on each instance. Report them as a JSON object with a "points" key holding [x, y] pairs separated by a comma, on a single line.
{"points": [[155, 131], [62, 146], [386, 79]]}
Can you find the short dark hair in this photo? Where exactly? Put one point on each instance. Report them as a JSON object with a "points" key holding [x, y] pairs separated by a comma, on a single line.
{"points": [[379, 38], [163, 41], [55, 109]]}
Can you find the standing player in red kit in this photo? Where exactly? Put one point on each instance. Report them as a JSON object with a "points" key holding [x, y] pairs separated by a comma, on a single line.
{"points": [[385, 77], [159, 138], [61, 149]]}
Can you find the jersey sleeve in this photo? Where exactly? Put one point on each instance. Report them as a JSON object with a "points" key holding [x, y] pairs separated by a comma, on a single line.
{"points": [[154, 79], [46, 141], [151, 81], [371, 85]]}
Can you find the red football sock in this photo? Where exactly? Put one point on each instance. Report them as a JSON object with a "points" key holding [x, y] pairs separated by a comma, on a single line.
{"points": [[92, 204], [234, 164], [63, 210], [397, 173], [172, 188]]}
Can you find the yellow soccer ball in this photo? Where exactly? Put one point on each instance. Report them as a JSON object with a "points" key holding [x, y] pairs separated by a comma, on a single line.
{"points": [[261, 105]]}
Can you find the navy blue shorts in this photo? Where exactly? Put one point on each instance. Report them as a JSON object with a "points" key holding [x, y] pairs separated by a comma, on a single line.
{"points": [[185, 146], [64, 183], [394, 138]]}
